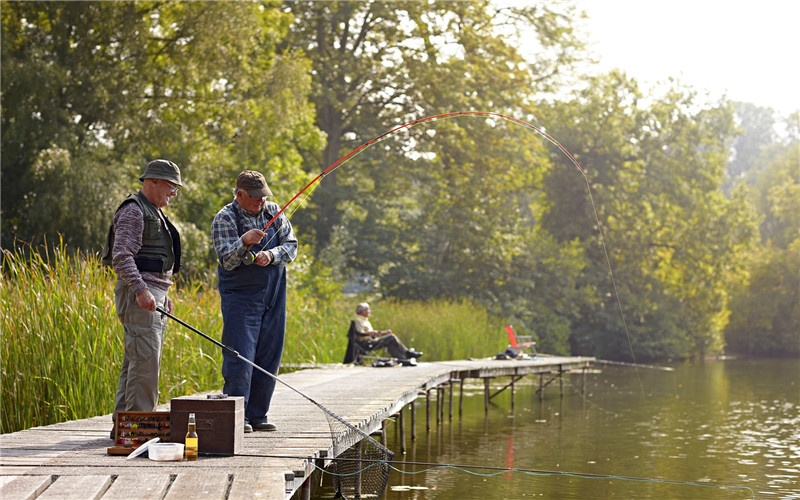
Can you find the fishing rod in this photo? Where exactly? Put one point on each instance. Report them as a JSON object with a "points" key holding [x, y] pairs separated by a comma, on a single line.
{"points": [[236, 354], [250, 256], [355, 152]]}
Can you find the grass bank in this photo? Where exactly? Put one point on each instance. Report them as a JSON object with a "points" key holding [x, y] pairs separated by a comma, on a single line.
{"points": [[61, 344]]}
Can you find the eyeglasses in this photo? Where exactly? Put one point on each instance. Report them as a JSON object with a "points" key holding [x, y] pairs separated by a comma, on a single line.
{"points": [[173, 188]]}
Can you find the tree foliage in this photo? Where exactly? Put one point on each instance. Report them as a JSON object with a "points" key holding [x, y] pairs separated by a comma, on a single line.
{"points": [[379, 64], [647, 252], [444, 210], [668, 233], [94, 90], [765, 313]]}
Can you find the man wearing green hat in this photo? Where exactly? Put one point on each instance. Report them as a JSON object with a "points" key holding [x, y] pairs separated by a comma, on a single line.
{"points": [[144, 249]]}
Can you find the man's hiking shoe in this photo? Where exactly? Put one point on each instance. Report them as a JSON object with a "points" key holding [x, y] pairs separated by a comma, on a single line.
{"points": [[264, 426]]}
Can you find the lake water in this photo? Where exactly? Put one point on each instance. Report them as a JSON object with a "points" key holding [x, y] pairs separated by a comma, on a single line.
{"points": [[712, 429]]}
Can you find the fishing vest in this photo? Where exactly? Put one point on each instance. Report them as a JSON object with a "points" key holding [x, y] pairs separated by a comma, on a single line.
{"points": [[161, 243]]}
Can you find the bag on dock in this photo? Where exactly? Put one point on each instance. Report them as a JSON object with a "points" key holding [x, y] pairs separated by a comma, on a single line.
{"points": [[512, 354], [384, 362]]}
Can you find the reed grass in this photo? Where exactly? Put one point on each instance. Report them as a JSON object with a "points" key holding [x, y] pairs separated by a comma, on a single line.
{"points": [[61, 342]]}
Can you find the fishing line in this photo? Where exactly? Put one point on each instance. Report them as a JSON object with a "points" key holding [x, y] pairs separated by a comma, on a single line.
{"points": [[614, 285], [495, 471], [516, 121], [310, 187], [344, 445], [236, 354]]}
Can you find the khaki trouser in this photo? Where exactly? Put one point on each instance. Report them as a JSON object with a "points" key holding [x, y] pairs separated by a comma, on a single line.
{"points": [[144, 336]]}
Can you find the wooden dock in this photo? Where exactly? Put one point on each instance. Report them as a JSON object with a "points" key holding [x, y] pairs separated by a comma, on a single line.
{"points": [[70, 460]]}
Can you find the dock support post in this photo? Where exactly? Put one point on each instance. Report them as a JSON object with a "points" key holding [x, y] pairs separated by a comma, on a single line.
{"points": [[401, 424], [440, 406], [305, 489], [461, 397], [428, 411], [486, 395], [513, 391], [359, 454], [561, 380], [583, 382], [413, 421], [541, 387], [321, 464], [450, 408]]}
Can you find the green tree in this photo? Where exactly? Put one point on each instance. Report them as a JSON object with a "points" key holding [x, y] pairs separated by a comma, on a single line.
{"points": [[765, 318], [777, 192], [93, 90], [377, 65], [445, 209], [671, 237]]}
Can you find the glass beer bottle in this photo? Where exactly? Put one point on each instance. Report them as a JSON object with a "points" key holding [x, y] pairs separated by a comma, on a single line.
{"points": [[191, 440]]}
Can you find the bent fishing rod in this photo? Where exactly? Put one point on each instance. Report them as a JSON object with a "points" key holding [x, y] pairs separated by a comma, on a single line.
{"points": [[250, 256], [355, 152]]}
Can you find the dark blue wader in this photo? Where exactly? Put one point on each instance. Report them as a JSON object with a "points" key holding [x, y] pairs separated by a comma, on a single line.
{"points": [[254, 313]]}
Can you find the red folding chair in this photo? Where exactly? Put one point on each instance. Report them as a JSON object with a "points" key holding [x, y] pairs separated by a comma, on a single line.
{"points": [[519, 344]]}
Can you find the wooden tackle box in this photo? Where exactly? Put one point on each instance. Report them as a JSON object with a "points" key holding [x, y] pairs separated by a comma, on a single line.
{"points": [[220, 422]]}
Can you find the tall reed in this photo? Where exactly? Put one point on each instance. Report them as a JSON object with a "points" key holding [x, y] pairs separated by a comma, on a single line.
{"points": [[58, 340], [61, 345]]}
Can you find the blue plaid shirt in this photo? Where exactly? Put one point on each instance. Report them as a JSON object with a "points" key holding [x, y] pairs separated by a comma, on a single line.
{"points": [[229, 245]]}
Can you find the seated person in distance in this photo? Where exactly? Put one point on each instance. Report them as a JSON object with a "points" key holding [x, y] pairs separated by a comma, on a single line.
{"points": [[380, 338]]}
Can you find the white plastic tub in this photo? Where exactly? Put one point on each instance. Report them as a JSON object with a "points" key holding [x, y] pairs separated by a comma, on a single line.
{"points": [[165, 452]]}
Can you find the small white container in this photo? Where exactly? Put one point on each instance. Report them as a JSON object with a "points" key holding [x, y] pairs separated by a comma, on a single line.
{"points": [[165, 452]]}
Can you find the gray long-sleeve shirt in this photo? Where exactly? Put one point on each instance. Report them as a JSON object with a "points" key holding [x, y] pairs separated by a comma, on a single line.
{"points": [[128, 228]]}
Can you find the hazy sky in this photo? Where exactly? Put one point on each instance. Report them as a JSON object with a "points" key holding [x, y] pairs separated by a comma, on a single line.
{"points": [[749, 51]]}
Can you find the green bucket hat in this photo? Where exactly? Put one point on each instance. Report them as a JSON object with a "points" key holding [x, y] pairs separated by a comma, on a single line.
{"points": [[162, 169]]}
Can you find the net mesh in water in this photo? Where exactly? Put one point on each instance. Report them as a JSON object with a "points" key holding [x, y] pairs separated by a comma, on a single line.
{"points": [[360, 463], [360, 466]]}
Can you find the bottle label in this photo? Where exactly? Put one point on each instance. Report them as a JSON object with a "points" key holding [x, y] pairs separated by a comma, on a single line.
{"points": [[191, 448]]}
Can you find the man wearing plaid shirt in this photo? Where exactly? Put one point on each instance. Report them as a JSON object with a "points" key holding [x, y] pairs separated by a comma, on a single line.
{"points": [[252, 286]]}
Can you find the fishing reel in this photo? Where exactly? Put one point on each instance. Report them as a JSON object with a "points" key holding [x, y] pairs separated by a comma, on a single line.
{"points": [[249, 257]]}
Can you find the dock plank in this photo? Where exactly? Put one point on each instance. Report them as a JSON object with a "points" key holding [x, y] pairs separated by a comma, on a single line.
{"points": [[139, 487], [77, 488], [264, 484], [24, 487], [206, 485]]}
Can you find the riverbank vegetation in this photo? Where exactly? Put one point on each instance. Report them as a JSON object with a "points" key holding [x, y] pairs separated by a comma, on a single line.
{"points": [[675, 234], [62, 342]]}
